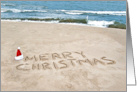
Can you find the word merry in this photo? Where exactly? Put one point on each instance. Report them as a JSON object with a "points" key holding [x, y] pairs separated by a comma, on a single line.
{"points": [[55, 56]]}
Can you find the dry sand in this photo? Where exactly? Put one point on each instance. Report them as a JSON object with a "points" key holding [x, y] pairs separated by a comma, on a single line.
{"points": [[48, 43]]}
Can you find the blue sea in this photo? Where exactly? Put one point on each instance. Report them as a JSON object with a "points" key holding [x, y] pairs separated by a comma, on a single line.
{"points": [[96, 13]]}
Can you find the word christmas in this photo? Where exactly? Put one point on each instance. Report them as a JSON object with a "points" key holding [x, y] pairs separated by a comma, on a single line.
{"points": [[60, 61]]}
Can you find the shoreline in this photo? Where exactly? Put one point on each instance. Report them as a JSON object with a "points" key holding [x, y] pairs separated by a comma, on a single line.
{"points": [[55, 22]]}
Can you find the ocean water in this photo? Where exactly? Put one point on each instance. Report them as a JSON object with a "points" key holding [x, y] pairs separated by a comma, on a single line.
{"points": [[96, 13]]}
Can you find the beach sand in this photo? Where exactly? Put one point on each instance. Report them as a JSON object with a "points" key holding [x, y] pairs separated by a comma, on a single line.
{"points": [[62, 57]]}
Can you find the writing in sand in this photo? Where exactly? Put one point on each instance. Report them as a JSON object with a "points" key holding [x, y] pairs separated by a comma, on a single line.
{"points": [[62, 60]]}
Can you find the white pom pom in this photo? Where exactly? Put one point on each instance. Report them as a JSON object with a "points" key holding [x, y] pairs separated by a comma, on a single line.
{"points": [[18, 47]]}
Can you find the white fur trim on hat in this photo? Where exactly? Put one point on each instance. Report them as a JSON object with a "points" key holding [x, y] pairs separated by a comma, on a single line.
{"points": [[19, 57]]}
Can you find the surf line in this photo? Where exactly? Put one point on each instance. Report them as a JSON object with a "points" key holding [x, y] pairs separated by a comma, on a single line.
{"points": [[60, 61]]}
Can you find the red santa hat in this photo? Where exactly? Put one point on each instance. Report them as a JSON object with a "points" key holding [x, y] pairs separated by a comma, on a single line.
{"points": [[18, 56]]}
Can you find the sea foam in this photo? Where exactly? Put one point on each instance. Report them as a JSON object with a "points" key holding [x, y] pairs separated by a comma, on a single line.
{"points": [[73, 12], [120, 13], [17, 10], [100, 23]]}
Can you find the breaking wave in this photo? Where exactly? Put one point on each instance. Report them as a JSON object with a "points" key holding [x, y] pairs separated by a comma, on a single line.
{"points": [[73, 12], [100, 23], [17, 10], [120, 13], [8, 4]]}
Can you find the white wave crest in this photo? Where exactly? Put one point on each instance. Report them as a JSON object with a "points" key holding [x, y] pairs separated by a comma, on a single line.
{"points": [[120, 13], [100, 23], [73, 13], [8, 4], [11, 10], [17, 10], [33, 11]]}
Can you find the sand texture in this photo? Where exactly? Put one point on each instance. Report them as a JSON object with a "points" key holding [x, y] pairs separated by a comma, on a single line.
{"points": [[62, 57]]}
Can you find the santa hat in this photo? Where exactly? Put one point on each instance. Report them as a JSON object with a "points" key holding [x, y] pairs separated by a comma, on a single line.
{"points": [[18, 56]]}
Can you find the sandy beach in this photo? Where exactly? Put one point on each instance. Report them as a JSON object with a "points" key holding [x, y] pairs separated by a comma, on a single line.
{"points": [[62, 57]]}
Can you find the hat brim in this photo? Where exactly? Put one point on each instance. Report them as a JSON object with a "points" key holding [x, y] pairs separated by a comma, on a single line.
{"points": [[19, 57]]}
